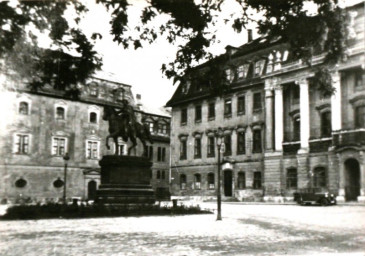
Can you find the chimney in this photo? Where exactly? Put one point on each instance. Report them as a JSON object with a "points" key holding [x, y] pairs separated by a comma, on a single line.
{"points": [[249, 35]]}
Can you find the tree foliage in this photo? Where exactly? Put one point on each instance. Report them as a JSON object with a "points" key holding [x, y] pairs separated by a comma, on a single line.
{"points": [[189, 23], [70, 57], [192, 21]]}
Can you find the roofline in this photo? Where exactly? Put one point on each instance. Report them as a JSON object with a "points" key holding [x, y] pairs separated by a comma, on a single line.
{"points": [[110, 81]]}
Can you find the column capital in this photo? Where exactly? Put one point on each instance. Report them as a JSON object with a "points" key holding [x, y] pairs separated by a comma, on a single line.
{"points": [[302, 81], [335, 75], [278, 89]]}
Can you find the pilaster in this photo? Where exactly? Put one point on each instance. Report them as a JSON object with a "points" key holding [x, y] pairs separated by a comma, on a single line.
{"points": [[336, 117], [279, 126], [304, 115], [269, 115]]}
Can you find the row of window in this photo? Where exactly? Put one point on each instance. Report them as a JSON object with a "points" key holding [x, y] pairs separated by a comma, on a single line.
{"points": [[318, 179], [227, 139], [163, 128], [60, 113], [241, 181], [160, 174], [241, 108], [161, 153], [59, 146]]}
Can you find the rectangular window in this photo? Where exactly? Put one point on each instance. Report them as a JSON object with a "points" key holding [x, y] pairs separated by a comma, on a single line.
{"points": [[229, 75], [257, 107], [94, 91], [241, 180], [184, 116], [21, 144], [211, 147], [359, 79], [240, 71], [227, 108], [259, 67], [228, 145], [241, 143], [256, 147], [92, 149], [159, 154], [211, 181], [326, 126], [150, 152], [163, 157], [182, 149], [197, 148], [241, 105], [197, 181], [58, 146], [291, 178], [256, 180], [211, 111], [183, 181], [198, 113], [360, 117]]}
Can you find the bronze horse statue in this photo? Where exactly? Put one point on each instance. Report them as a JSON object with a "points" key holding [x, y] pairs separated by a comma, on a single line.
{"points": [[120, 126]]}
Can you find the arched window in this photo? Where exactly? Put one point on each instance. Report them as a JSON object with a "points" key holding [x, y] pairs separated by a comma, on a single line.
{"points": [[319, 177], [241, 181], [211, 180], [93, 117], [291, 178], [197, 181], [182, 181], [60, 113], [23, 108]]}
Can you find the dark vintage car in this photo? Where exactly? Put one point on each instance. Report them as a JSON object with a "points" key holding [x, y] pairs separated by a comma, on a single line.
{"points": [[314, 196]]}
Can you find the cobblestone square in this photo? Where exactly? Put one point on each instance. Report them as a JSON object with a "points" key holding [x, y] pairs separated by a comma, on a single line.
{"points": [[245, 230]]}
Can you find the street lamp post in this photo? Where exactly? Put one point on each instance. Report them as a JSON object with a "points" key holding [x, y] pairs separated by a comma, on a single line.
{"points": [[65, 158], [219, 135]]}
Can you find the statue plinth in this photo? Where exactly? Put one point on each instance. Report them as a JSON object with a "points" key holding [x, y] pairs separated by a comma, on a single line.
{"points": [[125, 180]]}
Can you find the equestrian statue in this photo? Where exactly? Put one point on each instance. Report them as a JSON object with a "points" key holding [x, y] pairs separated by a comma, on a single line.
{"points": [[123, 123]]}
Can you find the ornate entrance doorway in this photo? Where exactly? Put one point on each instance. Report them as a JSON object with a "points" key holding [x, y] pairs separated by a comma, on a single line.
{"points": [[228, 183], [91, 190], [352, 179]]}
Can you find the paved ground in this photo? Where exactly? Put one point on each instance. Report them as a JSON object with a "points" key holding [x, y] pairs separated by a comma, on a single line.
{"points": [[245, 230]]}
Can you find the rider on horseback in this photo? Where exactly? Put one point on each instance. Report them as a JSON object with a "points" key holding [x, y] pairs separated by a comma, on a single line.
{"points": [[128, 116]]}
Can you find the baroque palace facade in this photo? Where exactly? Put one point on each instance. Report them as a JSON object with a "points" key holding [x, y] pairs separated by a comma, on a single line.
{"points": [[38, 128], [280, 133]]}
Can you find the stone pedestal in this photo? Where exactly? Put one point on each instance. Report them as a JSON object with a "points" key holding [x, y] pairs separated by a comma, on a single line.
{"points": [[125, 180]]}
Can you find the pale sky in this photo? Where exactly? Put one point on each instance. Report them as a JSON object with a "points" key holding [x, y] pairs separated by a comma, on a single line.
{"points": [[141, 68]]}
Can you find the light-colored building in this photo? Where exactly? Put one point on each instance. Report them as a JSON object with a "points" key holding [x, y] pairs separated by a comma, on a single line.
{"points": [[38, 128], [280, 133]]}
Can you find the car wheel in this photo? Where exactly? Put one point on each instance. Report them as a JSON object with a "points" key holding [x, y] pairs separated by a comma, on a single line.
{"points": [[324, 202]]}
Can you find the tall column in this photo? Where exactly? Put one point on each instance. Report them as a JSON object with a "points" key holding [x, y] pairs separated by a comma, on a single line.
{"points": [[269, 116], [304, 115], [336, 117], [279, 118]]}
